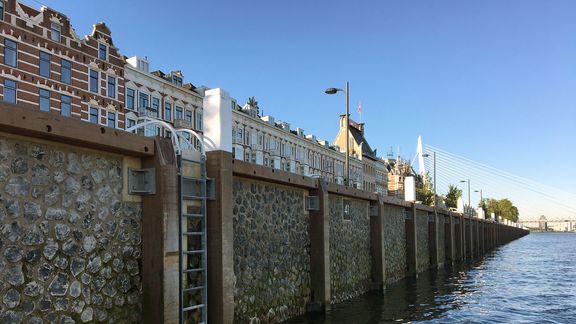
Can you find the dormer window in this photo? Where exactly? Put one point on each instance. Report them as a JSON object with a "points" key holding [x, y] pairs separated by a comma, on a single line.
{"points": [[177, 80], [55, 29], [102, 51]]}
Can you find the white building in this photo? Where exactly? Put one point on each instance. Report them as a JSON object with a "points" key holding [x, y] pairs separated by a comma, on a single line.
{"points": [[161, 96], [265, 141]]}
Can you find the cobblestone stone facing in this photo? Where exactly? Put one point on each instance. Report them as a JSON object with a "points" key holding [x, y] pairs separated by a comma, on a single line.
{"points": [[441, 238], [423, 250], [395, 243], [70, 249], [350, 258], [271, 252]]}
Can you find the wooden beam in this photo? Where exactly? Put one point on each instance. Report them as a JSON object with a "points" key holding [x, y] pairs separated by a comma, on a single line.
{"points": [[26, 121]]}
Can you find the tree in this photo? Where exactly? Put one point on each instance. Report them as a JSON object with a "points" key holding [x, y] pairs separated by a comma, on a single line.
{"points": [[503, 208], [424, 192], [452, 196]]}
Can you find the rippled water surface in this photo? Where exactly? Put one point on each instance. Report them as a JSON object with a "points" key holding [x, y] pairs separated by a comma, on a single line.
{"points": [[530, 280]]}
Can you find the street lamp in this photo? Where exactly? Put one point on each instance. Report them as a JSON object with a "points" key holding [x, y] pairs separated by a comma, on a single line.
{"points": [[434, 163], [480, 204], [332, 91], [468, 190]]}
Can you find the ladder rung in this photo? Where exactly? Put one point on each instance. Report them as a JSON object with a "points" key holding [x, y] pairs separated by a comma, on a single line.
{"points": [[192, 215], [194, 252], [194, 270], [193, 233], [193, 197], [193, 288], [193, 178], [192, 307]]}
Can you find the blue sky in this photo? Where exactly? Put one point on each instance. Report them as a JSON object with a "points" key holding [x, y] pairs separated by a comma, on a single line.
{"points": [[492, 80]]}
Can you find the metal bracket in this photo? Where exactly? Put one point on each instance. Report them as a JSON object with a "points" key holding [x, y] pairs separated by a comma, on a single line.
{"points": [[407, 214], [313, 203], [142, 181], [374, 211], [210, 189]]}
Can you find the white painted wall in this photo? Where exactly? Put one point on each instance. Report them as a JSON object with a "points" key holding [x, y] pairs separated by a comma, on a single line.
{"points": [[218, 120]]}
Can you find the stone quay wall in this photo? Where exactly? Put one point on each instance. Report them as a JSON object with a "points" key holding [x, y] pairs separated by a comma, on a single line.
{"points": [[70, 246], [423, 250], [271, 252], [350, 259], [395, 243]]}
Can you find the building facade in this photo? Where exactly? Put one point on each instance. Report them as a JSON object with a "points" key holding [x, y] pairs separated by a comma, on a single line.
{"points": [[374, 171], [47, 66], [161, 96], [272, 143]]}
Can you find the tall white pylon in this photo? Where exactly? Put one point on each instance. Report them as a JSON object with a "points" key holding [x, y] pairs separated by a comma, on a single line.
{"points": [[420, 154]]}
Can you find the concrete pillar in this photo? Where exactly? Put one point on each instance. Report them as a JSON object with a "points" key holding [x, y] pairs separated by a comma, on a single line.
{"points": [[449, 239], [458, 237], [377, 245], [469, 238], [320, 250], [433, 239], [160, 251], [220, 236], [411, 241]]}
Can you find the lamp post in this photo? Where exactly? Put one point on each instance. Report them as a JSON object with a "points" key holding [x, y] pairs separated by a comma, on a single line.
{"points": [[468, 190], [480, 204], [434, 168], [347, 161]]}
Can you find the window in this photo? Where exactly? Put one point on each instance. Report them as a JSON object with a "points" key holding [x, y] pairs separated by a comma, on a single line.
{"points": [[44, 101], [94, 115], [65, 105], [143, 100], [155, 103], [177, 81], [45, 64], [130, 98], [178, 112], [168, 111], [2, 10], [10, 52], [94, 81], [198, 120], [66, 71], [189, 116], [55, 35], [111, 119], [9, 91], [130, 123], [102, 51], [111, 87]]}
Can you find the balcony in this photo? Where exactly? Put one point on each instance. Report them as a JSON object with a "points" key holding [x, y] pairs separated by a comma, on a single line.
{"points": [[147, 112], [182, 123]]}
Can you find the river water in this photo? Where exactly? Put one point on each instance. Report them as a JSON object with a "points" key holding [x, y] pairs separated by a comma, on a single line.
{"points": [[530, 280]]}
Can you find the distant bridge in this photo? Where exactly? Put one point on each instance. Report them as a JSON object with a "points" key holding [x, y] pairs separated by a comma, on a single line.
{"points": [[532, 199]]}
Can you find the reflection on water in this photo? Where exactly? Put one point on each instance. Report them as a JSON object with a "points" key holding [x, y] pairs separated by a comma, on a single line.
{"points": [[529, 280]]}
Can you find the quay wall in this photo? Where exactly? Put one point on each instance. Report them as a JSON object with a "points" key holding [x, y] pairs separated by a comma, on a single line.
{"points": [[70, 237], [395, 243], [76, 246], [350, 259], [271, 251]]}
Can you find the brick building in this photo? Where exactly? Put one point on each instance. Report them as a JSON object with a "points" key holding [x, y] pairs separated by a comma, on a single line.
{"points": [[44, 64]]}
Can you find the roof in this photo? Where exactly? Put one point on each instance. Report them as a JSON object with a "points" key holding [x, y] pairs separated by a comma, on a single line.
{"points": [[359, 138]]}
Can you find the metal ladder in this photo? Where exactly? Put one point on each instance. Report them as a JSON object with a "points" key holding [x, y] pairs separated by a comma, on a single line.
{"points": [[193, 263]]}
